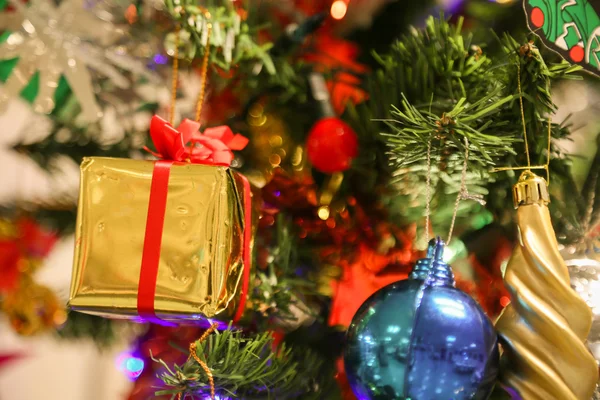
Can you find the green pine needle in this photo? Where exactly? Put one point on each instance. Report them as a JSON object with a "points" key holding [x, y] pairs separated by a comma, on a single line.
{"points": [[449, 89], [224, 19], [277, 288], [245, 368]]}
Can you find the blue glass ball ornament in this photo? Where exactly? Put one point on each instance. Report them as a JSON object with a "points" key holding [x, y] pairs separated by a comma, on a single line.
{"points": [[422, 339]]}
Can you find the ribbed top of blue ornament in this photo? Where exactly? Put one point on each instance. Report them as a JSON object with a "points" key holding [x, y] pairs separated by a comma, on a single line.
{"points": [[423, 265], [440, 273]]}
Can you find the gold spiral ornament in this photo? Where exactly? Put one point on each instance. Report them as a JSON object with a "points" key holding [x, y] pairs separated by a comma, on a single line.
{"points": [[544, 329]]}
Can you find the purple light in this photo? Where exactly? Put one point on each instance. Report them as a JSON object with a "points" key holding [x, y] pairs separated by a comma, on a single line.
{"points": [[130, 365], [277, 193], [452, 5], [160, 59]]}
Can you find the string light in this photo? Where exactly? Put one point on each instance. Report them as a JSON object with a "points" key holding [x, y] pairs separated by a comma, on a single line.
{"points": [[130, 365], [338, 9]]}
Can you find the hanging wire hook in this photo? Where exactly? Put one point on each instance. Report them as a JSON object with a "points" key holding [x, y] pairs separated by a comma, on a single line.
{"points": [[203, 71], [523, 113], [203, 365], [529, 167], [428, 192], [175, 78], [463, 193]]}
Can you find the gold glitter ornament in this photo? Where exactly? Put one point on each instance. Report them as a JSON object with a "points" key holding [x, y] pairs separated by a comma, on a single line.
{"points": [[67, 40], [32, 308], [543, 330]]}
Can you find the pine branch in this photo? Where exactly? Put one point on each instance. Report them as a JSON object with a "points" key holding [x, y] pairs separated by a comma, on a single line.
{"points": [[451, 70], [468, 97], [431, 69], [414, 129], [278, 290], [526, 64], [232, 40], [445, 87], [466, 100], [439, 62], [245, 368], [445, 90], [84, 326], [436, 71]]}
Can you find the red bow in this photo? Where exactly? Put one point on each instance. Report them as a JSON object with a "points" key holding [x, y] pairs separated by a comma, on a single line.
{"points": [[186, 143]]}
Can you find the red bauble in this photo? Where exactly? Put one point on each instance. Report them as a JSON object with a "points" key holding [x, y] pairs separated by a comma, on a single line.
{"points": [[331, 145]]}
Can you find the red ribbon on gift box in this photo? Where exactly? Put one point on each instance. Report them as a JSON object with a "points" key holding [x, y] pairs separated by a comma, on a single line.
{"points": [[213, 147], [185, 144]]}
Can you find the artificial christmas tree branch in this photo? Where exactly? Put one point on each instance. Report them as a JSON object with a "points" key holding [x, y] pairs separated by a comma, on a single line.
{"points": [[454, 78], [245, 368], [440, 61], [414, 129], [442, 85], [528, 70], [435, 77], [277, 286], [230, 35]]}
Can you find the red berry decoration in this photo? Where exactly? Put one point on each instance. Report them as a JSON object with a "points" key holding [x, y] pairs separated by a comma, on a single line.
{"points": [[537, 17], [331, 145], [577, 53]]}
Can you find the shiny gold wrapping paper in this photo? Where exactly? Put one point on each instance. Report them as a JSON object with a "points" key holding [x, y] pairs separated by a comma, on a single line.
{"points": [[200, 268], [543, 330]]}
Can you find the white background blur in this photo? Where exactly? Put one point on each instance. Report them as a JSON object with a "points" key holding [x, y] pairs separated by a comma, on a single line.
{"points": [[51, 369]]}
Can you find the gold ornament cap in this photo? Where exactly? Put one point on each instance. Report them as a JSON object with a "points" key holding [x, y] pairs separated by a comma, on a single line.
{"points": [[530, 189]]}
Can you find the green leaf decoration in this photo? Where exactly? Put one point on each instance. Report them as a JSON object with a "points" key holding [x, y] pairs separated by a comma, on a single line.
{"points": [[570, 28]]}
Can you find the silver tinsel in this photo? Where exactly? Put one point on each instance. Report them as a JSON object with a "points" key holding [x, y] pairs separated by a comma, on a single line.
{"points": [[65, 40]]}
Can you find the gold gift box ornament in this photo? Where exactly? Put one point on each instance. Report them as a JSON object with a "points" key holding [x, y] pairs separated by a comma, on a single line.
{"points": [[169, 240]]}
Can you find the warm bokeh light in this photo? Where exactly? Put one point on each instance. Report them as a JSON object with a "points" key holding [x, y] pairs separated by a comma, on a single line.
{"points": [[338, 9]]}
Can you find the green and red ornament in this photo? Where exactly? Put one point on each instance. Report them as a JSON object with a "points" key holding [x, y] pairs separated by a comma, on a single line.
{"points": [[569, 27]]}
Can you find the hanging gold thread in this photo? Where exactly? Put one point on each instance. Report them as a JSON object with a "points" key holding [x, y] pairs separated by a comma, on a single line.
{"points": [[463, 193], [204, 70], [523, 113], [428, 193], [529, 166], [193, 355], [174, 80], [462, 190]]}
